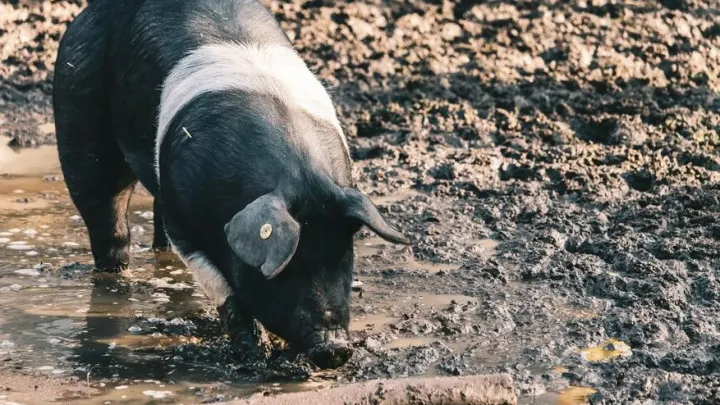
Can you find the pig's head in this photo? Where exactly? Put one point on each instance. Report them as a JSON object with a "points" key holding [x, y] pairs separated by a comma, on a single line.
{"points": [[294, 264]]}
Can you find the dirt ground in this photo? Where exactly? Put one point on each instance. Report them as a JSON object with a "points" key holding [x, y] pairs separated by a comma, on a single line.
{"points": [[557, 159]]}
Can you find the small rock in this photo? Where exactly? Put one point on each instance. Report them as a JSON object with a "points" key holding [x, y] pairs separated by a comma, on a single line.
{"points": [[76, 218], [121, 387], [134, 329], [4, 240], [27, 272], [372, 343], [71, 244], [147, 215], [20, 247], [165, 283], [157, 394], [360, 28], [137, 229], [451, 31]]}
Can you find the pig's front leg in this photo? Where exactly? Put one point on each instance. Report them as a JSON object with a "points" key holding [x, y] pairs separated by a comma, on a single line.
{"points": [[160, 240], [246, 334]]}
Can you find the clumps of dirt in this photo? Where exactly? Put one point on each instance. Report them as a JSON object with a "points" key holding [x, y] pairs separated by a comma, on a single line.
{"points": [[581, 136], [622, 130], [29, 37], [75, 271]]}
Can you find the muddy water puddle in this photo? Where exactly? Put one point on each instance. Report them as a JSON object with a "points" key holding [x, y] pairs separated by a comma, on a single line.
{"points": [[138, 337], [403, 343], [572, 395], [42, 160]]}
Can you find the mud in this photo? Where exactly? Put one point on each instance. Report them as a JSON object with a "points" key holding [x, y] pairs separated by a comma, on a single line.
{"points": [[469, 390], [556, 164]]}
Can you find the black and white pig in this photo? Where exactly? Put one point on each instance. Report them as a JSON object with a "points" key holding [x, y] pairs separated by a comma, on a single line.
{"points": [[206, 103]]}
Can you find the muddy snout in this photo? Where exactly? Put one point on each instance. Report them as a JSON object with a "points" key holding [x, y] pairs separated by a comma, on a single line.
{"points": [[329, 349]]}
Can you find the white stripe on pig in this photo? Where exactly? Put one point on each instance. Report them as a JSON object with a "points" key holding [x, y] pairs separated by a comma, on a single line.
{"points": [[274, 70], [211, 281]]}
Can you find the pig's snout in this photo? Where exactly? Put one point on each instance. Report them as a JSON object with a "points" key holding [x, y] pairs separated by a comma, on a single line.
{"points": [[328, 348]]}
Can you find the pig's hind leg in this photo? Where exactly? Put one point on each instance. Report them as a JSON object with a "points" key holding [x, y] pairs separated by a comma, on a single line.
{"points": [[100, 185], [160, 240], [96, 173]]}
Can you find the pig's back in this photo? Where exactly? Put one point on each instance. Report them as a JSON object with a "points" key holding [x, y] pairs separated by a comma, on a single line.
{"points": [[166, 30], [147, 38]]}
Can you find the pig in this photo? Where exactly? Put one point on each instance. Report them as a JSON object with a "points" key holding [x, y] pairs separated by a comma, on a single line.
{"points": [[207, 104]]}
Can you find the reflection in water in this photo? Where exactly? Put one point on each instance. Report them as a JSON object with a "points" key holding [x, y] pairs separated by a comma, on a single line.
{"points": [[109, 315], [112, 320], [30, 161]]}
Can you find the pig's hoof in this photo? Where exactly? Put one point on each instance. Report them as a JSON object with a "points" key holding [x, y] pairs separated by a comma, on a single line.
{"points": [[252, 341], [115, 267], [248, 337], [160, 248], [330, 355]]}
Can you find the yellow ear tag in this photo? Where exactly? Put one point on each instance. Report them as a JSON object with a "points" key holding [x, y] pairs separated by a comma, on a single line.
{"points": [[265, 231]]}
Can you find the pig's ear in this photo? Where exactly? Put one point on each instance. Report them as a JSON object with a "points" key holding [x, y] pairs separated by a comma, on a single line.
{"points": [[358, 206], [264, 235]]}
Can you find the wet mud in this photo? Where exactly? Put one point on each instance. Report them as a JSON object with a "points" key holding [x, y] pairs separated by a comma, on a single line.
{"points": [[556, 164]]}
